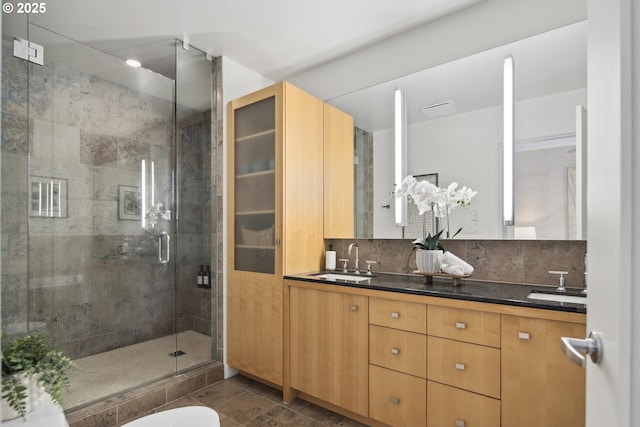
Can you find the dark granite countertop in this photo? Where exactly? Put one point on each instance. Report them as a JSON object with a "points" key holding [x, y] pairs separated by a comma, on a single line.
{"points": [[471, 290]]}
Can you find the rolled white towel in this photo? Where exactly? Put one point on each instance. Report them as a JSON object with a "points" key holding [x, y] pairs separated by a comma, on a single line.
{"points": [[455, 270], [452, 260]]}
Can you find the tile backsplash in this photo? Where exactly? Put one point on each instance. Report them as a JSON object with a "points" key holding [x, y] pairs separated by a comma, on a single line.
{"points": [[511, 261]]}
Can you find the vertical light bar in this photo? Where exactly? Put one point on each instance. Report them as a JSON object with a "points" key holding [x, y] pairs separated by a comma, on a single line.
{"points": [[507, 158], [59, 198], [143, 202], [400, 144], [40, 199], [153, 184], [51, 198]]}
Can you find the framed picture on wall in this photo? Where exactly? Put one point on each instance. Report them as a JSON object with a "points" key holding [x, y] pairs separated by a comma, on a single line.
{"points": [[129, 202], [47, 197], [416, 222]]}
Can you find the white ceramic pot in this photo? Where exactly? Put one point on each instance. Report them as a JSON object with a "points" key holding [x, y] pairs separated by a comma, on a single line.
{"points": [[428, 261], [35, 395]]}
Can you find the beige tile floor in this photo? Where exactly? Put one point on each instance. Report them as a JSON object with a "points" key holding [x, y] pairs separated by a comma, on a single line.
{"points": [[242, 402]]}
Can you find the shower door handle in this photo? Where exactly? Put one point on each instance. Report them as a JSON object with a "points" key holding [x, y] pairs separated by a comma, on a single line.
{"points": [[164, 240]]}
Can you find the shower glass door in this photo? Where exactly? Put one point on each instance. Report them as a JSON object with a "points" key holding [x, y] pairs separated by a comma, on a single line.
{"points": [[101, 215]]}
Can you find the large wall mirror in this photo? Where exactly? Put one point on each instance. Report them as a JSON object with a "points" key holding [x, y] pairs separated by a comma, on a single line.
{"points": [[460, 139]]}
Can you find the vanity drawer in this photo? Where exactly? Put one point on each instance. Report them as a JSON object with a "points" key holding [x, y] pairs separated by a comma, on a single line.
{"points": [[397, 399], [408, 316], [449, 406], [398, 350], [464, 325], [469, 366]]}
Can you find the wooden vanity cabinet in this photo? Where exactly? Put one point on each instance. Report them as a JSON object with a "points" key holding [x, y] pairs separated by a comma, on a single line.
{"points": [[265, 128], [540, 385], [339, 213], [463, 367], [432, 362], [397, 362], [329, 347]]}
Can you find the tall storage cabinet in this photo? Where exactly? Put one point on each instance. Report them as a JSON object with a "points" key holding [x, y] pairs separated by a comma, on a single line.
{"points": [[275, 217]]}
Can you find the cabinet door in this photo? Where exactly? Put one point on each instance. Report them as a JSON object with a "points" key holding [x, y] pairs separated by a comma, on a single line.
{"points": [[254, 291], [540, 385], [329, 347], [450, 406], [397, 399], [339, 220], [252, 154]]}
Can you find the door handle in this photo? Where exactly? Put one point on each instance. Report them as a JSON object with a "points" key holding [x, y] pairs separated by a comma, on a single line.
{"points": [[574, 347], [165, 238]]}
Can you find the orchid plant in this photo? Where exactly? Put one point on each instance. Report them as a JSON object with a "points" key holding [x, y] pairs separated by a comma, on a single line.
{"points": [[440, 202]]}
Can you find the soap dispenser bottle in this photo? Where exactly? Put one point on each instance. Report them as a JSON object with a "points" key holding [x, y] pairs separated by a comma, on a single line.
{"points": [[206, 278], [200, 281]]}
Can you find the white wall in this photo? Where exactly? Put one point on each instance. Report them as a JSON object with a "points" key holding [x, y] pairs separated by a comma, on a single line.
{"points": [[237, 81], [465, 148]]}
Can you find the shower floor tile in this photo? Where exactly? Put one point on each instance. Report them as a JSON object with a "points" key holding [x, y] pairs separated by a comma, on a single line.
{"points": [[112, 372]]}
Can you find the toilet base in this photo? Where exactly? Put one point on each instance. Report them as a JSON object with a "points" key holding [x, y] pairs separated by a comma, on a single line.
{"points": [[192, 416]]}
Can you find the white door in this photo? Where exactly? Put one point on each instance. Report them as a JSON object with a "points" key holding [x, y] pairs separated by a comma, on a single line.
{"points": [[611, 218]]}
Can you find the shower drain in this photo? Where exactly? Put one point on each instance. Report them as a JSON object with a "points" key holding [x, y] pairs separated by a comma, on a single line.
{"points": [[177, 353]]}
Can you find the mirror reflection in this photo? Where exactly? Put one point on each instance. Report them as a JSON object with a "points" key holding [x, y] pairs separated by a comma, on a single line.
{"points": [[454, 116]]}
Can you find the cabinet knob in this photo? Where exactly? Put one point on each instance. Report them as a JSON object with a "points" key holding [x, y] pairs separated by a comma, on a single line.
{"points": [[354, 307], [460, 366], [395, 401], [459, 423], [524, 335], [460, 325], [395, 350], [395, 314]]}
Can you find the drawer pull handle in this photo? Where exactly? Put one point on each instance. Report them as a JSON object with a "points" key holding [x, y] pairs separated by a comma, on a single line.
{"points": [[395, 350], [354, 308], [395, 401], [395, 314], [459, 423], [460, 366], [524, 335], [460, 325]]}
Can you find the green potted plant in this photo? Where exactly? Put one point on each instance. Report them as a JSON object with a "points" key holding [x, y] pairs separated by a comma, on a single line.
{"points": [[30, 366]]}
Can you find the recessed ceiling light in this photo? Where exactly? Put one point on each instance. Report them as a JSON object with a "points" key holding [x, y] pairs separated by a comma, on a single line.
{"points": [[133, 63]]}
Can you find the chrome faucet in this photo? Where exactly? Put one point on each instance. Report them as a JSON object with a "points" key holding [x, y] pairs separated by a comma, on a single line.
{"points": [[351, 246]]}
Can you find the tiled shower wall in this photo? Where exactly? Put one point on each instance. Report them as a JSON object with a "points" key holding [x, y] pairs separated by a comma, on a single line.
{"points": [[68, 272], [509, 261], [363, 159]]}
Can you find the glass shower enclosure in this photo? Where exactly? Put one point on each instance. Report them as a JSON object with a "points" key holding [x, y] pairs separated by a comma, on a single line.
{"points": [[107, 212]]}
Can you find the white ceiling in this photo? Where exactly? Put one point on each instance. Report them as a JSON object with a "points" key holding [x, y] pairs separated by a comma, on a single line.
{"points": [[548, 63], [276, 38]]}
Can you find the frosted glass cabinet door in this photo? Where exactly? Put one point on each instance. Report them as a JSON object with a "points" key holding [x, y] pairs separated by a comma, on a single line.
{"points": [[254, 145]]}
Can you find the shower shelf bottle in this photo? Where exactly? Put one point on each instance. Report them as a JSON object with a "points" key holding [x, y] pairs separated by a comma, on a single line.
{"points": [[206, 278], [200, 281]]}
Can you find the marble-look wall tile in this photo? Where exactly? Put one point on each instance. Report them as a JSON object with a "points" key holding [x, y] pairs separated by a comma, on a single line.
{"points": [[98, 150], [496, 260], [131, 153], [15, 134], [14, 93], [510, 261]]}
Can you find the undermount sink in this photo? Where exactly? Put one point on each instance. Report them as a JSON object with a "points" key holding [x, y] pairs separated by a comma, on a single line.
{"points": [[344, 277], [558, 297]]}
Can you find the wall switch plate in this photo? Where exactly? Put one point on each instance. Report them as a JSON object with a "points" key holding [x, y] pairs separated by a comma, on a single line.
{"points": [[474, 214]]}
